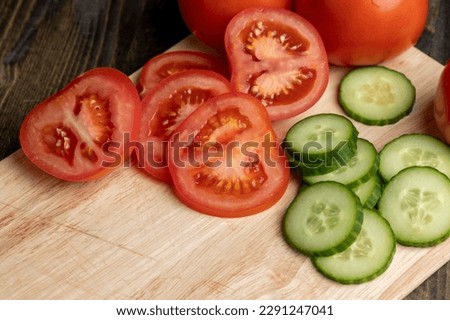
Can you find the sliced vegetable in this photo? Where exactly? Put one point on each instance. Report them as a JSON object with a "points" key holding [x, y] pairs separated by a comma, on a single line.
{"points": [[278, 57], [369, 192], [416, 202], [321, 143], [165, 107], [78, 133], [359, 169], [225, 159], [324, 219], [376, 95], [367, 258], [414, 150], [169, 63]]}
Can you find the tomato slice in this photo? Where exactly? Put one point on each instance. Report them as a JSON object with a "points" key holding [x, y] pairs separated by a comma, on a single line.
{"points": [[78, 133], [171, 101], [169, 63], [225, 159], [278, 57]]}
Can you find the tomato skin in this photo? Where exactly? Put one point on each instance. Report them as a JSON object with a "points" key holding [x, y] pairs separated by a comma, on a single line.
{"points": [[272, 58], [171, 95], [365, 32], [186, 166], [112, 117], [442, 103], [208, 19], [169, 63]]}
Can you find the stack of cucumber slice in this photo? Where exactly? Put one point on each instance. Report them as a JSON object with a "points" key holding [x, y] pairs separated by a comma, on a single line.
{"points": [[326, 147], [357, 203]]}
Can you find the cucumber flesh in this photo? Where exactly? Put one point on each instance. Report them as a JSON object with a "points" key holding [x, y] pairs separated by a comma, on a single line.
{"points": [[376, 95], [416, 202], [306, 169], [367, 258], [321, 141], [369, 192], [414, 149], [358, 170], [323, 219]]}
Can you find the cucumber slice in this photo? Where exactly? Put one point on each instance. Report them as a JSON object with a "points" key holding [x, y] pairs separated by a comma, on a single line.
{"points": [[369, 192], [367, 258], [360, 168], [414, 149], [416, 202], [321, 143], [302, 169], [323, 219], [376, 95]]}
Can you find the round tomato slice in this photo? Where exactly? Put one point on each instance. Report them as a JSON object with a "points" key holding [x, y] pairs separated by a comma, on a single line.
{"points": [[279, 58], [169, 63], [78, 133], [225, 159], [171, 101]]}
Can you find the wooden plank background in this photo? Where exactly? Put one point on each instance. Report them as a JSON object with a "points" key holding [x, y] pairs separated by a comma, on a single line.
{"points": [[45, 43]]}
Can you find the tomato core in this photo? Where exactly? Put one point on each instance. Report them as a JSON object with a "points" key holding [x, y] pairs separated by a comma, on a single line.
{"points": [[90, 116], [175, 109], [272, 45], [277, 57], [223, 126]]}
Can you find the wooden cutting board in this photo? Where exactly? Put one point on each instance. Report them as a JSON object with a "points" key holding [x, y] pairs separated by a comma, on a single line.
{"points": [[126, 236]]}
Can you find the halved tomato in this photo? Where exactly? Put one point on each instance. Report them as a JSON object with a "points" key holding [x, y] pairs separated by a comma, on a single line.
{"points": [[78, 133], [278, 57], [171, 101], [169, 63], [225, 159]]}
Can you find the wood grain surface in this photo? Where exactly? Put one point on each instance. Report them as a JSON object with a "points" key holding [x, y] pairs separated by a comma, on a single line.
{"points": [[43, 45]]}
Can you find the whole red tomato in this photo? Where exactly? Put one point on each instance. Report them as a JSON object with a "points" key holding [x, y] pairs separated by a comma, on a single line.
{"points": [[208, 19], [365, 32], [442, 103]]}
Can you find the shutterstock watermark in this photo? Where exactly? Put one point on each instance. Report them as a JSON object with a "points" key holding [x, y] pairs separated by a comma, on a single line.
{"points": [[191, 152], [314, 154]]}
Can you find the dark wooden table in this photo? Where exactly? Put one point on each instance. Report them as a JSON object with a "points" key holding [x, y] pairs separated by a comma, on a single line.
{"points": [[45, 43]]}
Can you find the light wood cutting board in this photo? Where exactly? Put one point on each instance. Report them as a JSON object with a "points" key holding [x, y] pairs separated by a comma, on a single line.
{"points": [[126, 236]]}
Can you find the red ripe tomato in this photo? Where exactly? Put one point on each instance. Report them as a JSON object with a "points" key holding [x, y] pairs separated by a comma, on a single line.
{"points": [[208, 19], [225, 159], [442, 103], [78, 133], [365, 32], [171, 101], [279, 58], [169, 63]]}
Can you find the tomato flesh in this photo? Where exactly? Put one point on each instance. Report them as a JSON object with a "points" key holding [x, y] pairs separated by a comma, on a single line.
{"points": [[442, 103], [225, 159], [172, 62], [78, 134], [165, 107], [278, 58]]}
